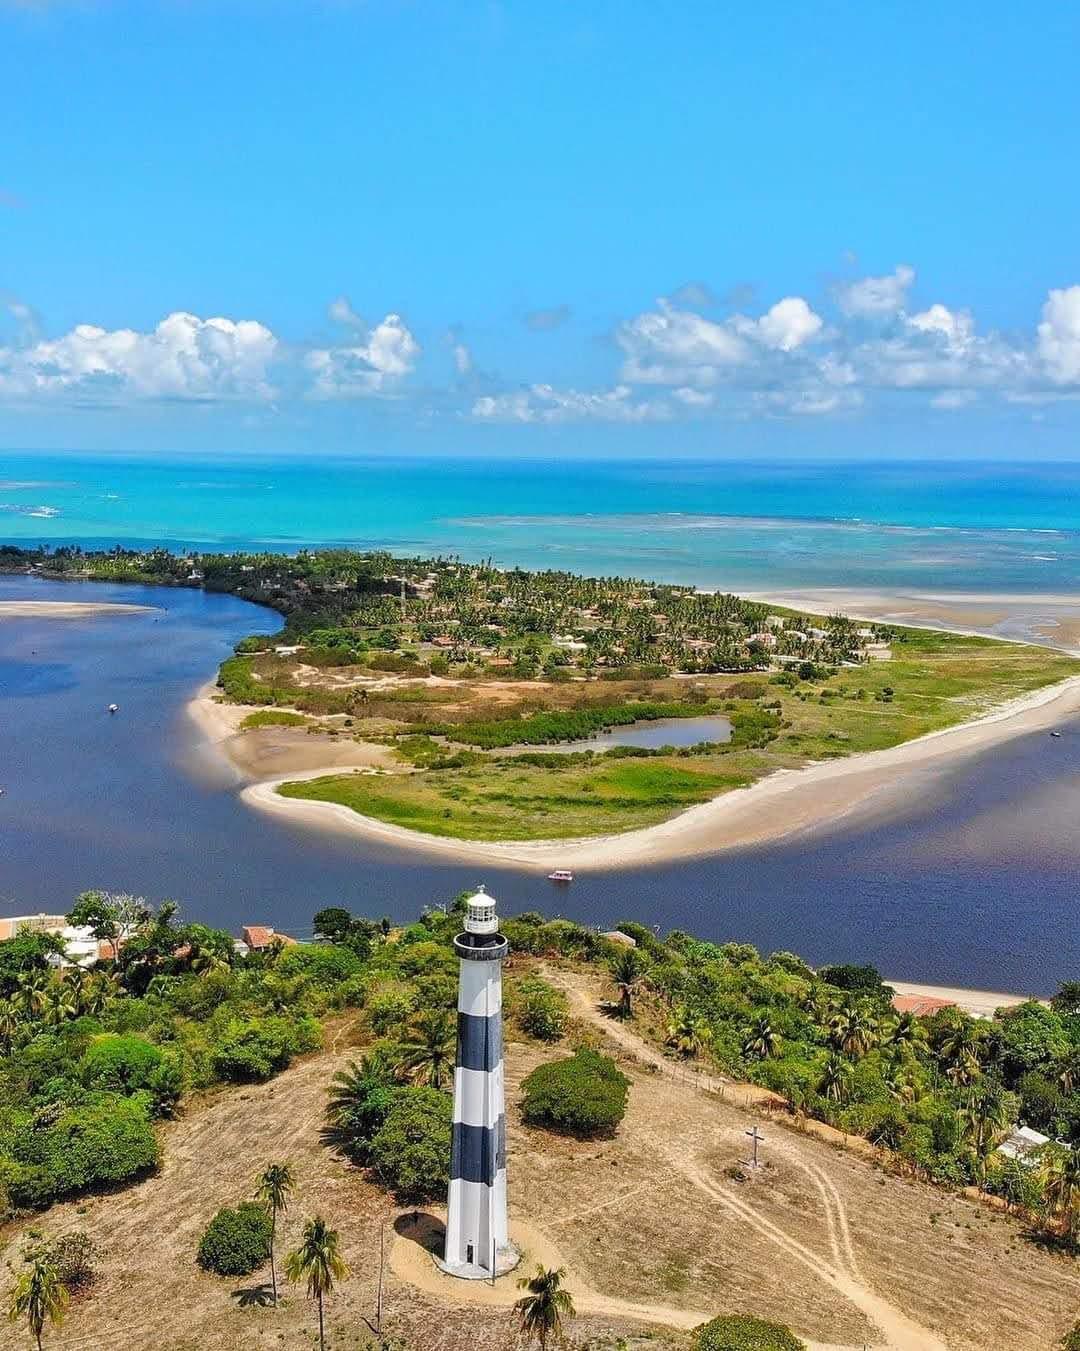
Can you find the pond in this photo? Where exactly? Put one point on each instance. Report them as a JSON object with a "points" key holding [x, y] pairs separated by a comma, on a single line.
{"points": [[651, 735]]}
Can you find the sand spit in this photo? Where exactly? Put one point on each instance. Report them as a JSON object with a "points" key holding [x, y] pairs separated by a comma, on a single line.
{"points": [[785, 802], [66, 609]]}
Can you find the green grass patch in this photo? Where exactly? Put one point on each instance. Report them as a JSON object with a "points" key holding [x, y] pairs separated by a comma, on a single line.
{"points": [[274, 717]]}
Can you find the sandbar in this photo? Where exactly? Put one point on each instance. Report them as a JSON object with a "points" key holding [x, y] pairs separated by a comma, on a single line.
{"points": [[66, 609], [785, 802]]}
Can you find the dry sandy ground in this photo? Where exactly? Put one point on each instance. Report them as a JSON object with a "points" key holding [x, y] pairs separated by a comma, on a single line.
{"points": [[1051, 621], [654, 1232], [286, 752], [785, 802], [63, 609]]}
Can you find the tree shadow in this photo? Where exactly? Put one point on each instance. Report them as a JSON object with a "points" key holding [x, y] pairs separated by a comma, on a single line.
{"points": [[419, 1227], [254, 1296], [611, 1008]]}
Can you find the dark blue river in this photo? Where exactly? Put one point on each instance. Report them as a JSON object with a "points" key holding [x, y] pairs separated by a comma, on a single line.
{"points": [[977, 886]]}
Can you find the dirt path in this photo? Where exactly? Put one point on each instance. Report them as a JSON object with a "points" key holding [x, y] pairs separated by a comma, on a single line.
{"points": [[843, 1273]]}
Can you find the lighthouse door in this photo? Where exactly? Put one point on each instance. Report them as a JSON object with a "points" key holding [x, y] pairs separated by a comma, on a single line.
{"points": [[469, 1253]]}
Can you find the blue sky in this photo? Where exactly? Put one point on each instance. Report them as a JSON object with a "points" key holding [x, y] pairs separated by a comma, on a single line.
{"points": [[600, 228]]}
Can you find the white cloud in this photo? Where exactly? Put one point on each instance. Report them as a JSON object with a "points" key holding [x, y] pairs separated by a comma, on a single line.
{"points": [[872, 297], [789, 324], [342, 312], [184, 357], [956, 327], [951, 400], [462, 358], [375, 365], [669, 346], [1059, 335], [543, 403]]}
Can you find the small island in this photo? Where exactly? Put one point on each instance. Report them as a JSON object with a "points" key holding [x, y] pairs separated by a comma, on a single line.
{"points": [[466, 702]]}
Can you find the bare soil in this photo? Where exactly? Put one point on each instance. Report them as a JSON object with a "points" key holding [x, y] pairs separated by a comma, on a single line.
{"points": [[654, 1225]]}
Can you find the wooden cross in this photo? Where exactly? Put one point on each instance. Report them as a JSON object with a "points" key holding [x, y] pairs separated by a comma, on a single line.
{"points": [[757, 1138]]}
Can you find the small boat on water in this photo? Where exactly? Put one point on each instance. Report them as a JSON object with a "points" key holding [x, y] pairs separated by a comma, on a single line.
{"points": [[114, 708], [561, 875], [1055, 733]]}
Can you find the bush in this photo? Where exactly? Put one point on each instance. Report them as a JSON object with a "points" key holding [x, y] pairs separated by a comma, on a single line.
{"points": [[105, 1141], [323, 964], [583, 1095], [119, 1064], [742, 1332], [543, 1011], [254, 1049], [235, 1242], [74, 1258], [411, 1150]]}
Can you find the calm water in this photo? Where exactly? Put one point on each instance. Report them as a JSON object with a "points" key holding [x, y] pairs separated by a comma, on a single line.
{"points": [[977, 887], [650, 735], [959, 527]]}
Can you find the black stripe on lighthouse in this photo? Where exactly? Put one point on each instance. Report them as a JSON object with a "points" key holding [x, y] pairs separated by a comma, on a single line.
{"points": [[479, 1041], [478, 1152]]}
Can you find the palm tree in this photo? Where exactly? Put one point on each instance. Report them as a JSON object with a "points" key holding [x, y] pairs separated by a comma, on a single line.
{"points": [[906, 1030], [627, 969], [9, 1024], [58, 1004], [319, 1262], [39, 1296], [1061, 1167], [761, 1041], [427, 1052], [31, 993], [959, 1052], [541, 1312], [853, 1030], [1069, 1072], [688, 1032], [985, 1119], [834, 1078], [273, 1191]]}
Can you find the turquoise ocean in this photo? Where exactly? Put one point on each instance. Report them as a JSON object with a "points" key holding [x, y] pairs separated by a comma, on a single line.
{"points": [[961, 526]]}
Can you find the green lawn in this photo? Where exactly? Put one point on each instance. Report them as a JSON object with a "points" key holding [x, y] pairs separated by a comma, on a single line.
{"points": [[936, 680]]}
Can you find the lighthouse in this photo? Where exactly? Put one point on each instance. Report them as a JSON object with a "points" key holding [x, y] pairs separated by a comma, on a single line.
{"points": [[477, 1244]]}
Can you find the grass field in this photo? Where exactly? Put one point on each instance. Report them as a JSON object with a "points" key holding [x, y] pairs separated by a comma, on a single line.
{"points": [[934, 680]]}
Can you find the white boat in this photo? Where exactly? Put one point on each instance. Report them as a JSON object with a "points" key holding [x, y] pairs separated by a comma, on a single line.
{"points": [[1055, 733], [114, 708], [561, 875]]}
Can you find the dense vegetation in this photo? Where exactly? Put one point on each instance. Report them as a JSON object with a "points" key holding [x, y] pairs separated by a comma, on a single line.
{"points": [[584, 1094], [235, 1242], [741, 1332]]}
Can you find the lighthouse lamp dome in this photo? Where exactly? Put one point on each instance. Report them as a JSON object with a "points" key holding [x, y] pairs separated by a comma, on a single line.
{"points": [[480, 917]]}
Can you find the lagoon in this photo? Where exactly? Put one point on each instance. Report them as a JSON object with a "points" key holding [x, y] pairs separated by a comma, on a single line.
{"points": [[974, 884]]}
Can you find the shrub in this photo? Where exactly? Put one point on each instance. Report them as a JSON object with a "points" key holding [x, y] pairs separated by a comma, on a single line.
{"points": [[389, 1007], [742, 1332], [544, 1010], [583, 1095], [325, 965], [119, 1064], [74, 1258], [411, 1150], [105, 1141], [235, 1242], [253, 1049]]}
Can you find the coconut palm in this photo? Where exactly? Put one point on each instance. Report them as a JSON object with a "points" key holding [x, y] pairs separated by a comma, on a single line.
{"points": [[688, 1032], [9, 1024], [834, 1078], [426, 1053], [275, 1184], [40, 1295], [853, 1029], [1061, 1169], [1069, 1070], [985, 1119], [761, 1041], [58, 1004], [905, 1030], [318, 1261], [959, 1052], [31, 993], [540, 1313], [627, 970]]}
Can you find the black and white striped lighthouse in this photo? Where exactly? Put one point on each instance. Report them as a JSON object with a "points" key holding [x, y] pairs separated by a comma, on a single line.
{"points": [[477, 1242]]}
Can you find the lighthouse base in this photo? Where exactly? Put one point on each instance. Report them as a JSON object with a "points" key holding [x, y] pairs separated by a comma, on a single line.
{"points": [[506, 1259]]}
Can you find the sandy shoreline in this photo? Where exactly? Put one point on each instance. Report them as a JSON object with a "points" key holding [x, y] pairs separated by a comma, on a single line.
{"points": [[1047, 621], [67, 609], [785, 802]]}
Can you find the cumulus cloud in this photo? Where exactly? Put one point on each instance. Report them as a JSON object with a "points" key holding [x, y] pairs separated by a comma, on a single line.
{"points": [[542, 321], [184, 358], [342, 312], [375, 364], [543, 403], [789, 324], [1059, 335], [670, 346], [872, 297]]}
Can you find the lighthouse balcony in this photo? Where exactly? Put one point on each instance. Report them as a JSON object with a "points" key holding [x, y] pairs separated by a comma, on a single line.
{"points": [[473, 947]]}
